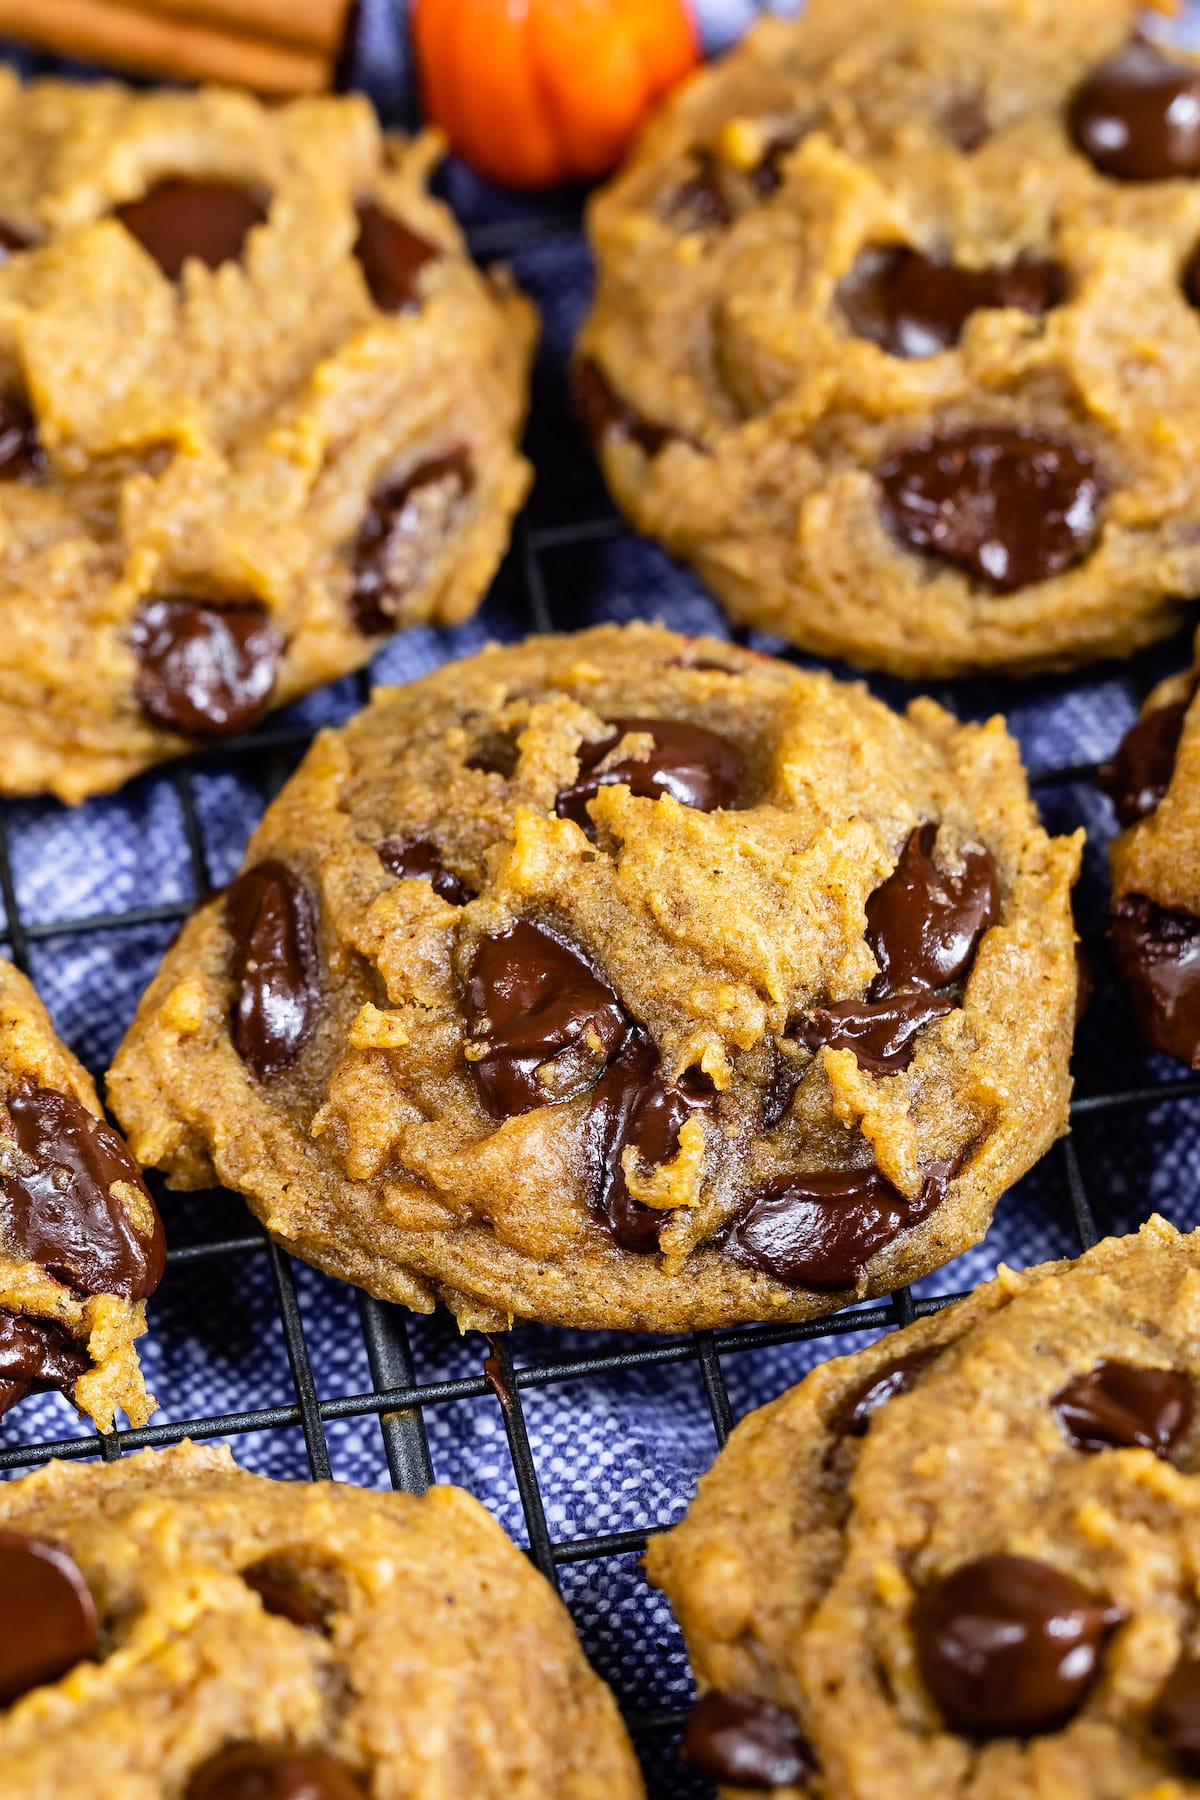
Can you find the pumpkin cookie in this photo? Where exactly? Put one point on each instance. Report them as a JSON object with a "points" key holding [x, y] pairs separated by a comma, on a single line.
{"points": [[963, 1561], [81, 1245], [1154, 926], [623, 980], [257, 411], [896, 338], [176, 1629]]}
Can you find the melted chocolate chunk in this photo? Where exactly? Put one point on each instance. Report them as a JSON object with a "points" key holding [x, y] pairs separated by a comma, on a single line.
{"points": [[269, 1772], [58, 1168], [275, 965], [924, 925], [767, 177], [499, 754], [1009, 504], [283, 1598], [634, 1105], [882, 1033], [402, 533], [1157, 957], [1177, 1715], [601, 411], [859, 1407], [692, 765], [1137, 115], [12, 240], [699, 203], [178, 219], [1008, 1647], [417, 859], [1118, 1406], [1191, 278], [1140, 773], [745, 1741], [36, 1354], [48, 1611], [547, 1021], [392, 255], [820, 1229], [912, 305], [783, 1078], [21, 455], [206, 671]]}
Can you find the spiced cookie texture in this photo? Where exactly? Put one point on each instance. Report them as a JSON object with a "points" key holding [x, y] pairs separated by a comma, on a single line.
{"points": [[896, 335], [1154, 925], [177, 1629], [963, 1561], [257, 410], [623, 979], [81, 1244]]}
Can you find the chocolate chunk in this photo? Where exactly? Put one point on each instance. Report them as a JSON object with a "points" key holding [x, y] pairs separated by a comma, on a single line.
{"points": [[601, 411], [912, 305], [1137, 115], [418, 859], [882, 1033], [21, 455], [783, 1078], [49, 1615], [966, 123], [691, 764], [745, 1741], [767, 176], [206, 671], [1191, 278], [270, 1772], [276, 966], [1157, 957], [58, 1167], [633, 1104], [405, 527], [1009, 504], [1140, 773], [12, 239], [819, 1229], [859, 1407], [1177, 1715], [392, 255], [36, 1354], [924, 925], [1008, 1647], [498, 754], [1117, 1405], [548, 1023], [284, 1598], [182, 218], [699, 203]]}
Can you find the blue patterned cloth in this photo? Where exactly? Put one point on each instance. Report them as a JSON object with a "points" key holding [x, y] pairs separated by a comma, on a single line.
{"points": [[619, 1452]]}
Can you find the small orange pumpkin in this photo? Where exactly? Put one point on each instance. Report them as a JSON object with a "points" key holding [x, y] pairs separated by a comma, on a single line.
{"points": [[533, 92]]}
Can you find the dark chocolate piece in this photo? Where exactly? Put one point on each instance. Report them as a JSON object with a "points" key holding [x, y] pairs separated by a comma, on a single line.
{"points": [[405, 527], [1177, 1715], [855, 1413], [882, 1033], [1157, 957], [913, 305], [924, 924], [688, 762], [1137, 115], [182, 218], [392, 255], [600, 410], [284, 1598], [1140, 773], [276, 966], [21, 455], [205, 671], [634, 1105], [417, 859], [49, 1615], [35, 1355], [272, 1772], [745, 1741], [1120, 1406]]}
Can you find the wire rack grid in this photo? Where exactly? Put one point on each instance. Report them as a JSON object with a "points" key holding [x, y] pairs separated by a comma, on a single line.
{"points": [[561, 561]]}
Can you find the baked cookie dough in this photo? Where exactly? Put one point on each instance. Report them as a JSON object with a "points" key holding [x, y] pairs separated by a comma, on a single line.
{"points": [[963, 1562], [257, 410], [176, 1629], [1154, 924], [81, 1244], [895, 335], [623, 979]]}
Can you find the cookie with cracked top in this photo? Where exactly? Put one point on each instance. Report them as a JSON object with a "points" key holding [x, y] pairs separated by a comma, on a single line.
{"points": [[896, 338], [81, 1243], [1154, 919], [960, 1562], [623, 979], [179, 1629], [258, 411]]}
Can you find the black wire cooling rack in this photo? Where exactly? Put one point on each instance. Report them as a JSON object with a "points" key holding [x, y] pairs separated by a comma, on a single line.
{"points": [[397, 1399]]}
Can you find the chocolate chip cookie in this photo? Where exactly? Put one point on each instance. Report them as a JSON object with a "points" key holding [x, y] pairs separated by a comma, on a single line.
{"points": [[896, 334], [1154, 925], [81, 1244], [257, 411], [963, 1561], [176, 1629], [623, 980]]}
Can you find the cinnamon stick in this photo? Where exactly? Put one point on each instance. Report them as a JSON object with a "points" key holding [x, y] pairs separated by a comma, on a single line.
{"points": [[109, 31], [313, 24]]}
